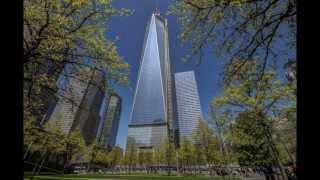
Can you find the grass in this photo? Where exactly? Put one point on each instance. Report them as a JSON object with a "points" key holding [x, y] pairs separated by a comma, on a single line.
{"points": [[128, 177]]}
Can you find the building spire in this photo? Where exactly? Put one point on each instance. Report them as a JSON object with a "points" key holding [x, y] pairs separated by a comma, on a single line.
{"points": [[156, 11]]}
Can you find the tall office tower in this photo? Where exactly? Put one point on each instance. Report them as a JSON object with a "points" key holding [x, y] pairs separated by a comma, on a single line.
{"points": [[188, 104], [109, 131], [81, 102], [152, 114], [71, 95], [87, 117]]}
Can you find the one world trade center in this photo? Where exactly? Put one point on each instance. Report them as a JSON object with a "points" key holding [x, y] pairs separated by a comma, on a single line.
{"points": [[152, 114]]}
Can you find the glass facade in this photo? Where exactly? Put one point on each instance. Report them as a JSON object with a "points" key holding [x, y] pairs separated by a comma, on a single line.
{"points": [[81, 103], [151, 105], [188, 104], [65, 111], [147, 136], [110, 125], [87, 118]]}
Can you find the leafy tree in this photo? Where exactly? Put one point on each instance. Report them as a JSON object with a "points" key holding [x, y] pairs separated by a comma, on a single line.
{"points": [[202, 138], [102, 157], [168, 152], [61, 33], [262, 96], [185, 154], [57, 35], [32, 137], [250, 141], [198, 157], [222, 121], [56, 140], [285, 123], [42, 142], [285, 131], [74, 144], [245, 29], [148, 159], [131, 154], [96, 154], [142, 158], [158, 156], [115, 156], [207, 149]]}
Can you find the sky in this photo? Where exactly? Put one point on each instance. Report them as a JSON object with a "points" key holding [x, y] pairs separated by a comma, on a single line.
{"points": [[131, 30]]}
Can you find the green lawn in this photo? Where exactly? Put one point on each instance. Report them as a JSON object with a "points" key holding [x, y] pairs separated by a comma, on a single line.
{"points": [[128, 177]]}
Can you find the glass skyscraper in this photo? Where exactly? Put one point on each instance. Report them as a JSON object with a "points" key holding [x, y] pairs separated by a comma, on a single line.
{"points": [[87, 118], [72, 94], [151, 114], [81, 102], [188, 104], [109, 131]]}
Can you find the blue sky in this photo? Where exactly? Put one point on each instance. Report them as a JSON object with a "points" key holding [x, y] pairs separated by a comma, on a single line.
{"points": [[131, 30]]}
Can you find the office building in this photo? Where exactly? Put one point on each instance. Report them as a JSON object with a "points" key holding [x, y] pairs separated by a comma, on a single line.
{"points": [[110, 126], [87, 117], [80, 102], [152, 113], [188, 104]]}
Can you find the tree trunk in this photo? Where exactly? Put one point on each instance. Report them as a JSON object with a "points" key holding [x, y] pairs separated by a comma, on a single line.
{"points": [[274, 150], [43, 160], [27, 151], [36, 165]]}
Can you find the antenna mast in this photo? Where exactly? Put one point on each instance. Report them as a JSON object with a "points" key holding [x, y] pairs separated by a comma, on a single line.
{"points": [[157, 9]]}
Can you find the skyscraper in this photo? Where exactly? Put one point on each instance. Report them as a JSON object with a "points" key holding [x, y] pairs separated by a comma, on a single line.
{"points": [[87, 117], [152, 113], [188, 103], [80, 103], [109, 131], [71, 96]]}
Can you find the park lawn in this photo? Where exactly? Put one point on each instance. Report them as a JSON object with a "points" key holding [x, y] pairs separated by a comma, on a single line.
{"points": [[129, 177]]}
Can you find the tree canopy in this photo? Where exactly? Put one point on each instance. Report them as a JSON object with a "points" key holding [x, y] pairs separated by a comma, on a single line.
{"points": [[245, 29], [57, 33]]}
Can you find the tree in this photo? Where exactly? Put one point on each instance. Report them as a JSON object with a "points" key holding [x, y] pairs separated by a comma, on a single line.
{"points": [[249, 92], [131, 154], [59, 37], [42, 142], [115, 157], [250, 141], [74, 145], [222, 122], [202, 138], [168, 151], [65, 33], [158, 157], [198, 157], [32, 137], [148, 160], [102, 156], [142, 159], [208, 147], [185, 154], [245, 29]]}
